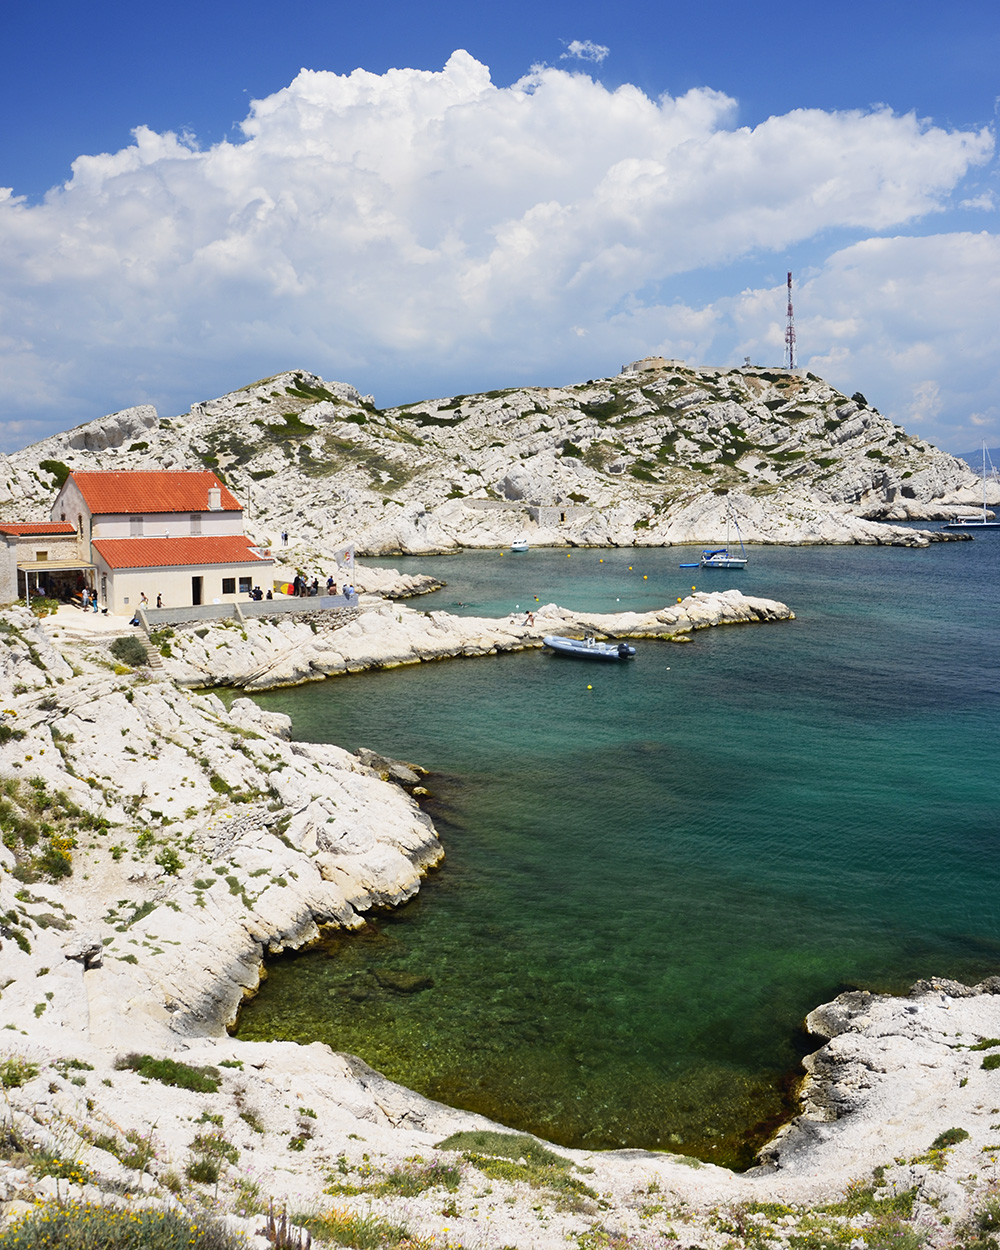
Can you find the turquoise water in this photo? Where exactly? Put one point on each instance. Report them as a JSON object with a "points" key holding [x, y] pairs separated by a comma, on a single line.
{"points": [[650, 882]]}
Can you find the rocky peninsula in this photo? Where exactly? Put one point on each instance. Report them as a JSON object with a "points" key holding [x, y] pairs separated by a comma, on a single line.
{"points": [[157, 847]]}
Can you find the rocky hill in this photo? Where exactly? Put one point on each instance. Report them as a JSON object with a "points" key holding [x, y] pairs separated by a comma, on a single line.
{"points": [[662, 453]]}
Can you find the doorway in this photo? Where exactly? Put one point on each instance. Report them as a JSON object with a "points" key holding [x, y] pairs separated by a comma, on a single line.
{"points": [[196, 591]]}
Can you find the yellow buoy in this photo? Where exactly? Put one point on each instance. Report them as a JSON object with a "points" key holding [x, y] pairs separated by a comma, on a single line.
{"points": [[590, 687], [692, 588], [645, 577], [630, 568], [601, 560], [678, 598]]}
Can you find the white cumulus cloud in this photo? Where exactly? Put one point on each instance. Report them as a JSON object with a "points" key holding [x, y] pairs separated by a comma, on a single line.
{"points": [[422, 232], [585, 50], [913, 322]]}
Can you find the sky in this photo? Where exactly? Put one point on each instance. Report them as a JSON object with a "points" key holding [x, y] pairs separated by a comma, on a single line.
{"points": [[425, 198]]}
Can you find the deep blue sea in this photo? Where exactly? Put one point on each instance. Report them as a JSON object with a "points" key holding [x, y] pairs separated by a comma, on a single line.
{"points": [[649, 882]]}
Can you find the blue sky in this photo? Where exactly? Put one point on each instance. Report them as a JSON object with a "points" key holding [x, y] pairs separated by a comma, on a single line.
{"points": [[489, 223]]}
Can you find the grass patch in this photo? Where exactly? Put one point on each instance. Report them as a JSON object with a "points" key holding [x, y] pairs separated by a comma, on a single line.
{"points": [[363, 1232], [408, 1181], [39, 827], [90, 1226], [203, 1080]]}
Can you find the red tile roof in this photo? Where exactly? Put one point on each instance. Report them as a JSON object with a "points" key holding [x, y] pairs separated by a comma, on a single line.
{"points": [[39, 527], [160, 553], [120, 492]]}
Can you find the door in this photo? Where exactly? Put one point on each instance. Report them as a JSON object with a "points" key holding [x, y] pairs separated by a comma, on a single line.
{"points": [[196, 591]]}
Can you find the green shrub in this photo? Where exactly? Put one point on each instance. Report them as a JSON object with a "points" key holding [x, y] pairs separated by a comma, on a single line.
{"points": [[215, 1146], [170, 861], [43, 607], [203, 1080], [49, 1164], [15, 1072], [950, 1137], [991, 1061], [205, 1171], [129, 650], [411, 1180], [59, 471], [90, 1226]]}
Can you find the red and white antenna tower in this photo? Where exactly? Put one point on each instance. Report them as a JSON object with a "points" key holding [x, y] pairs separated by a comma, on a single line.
{"points": [[790, 331]]}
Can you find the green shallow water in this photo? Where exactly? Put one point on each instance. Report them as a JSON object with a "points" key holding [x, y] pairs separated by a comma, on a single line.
{"points": [[650, 882]]}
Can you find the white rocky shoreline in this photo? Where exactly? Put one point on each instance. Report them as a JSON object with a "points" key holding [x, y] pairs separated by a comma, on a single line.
{"points": [[206, 839]]}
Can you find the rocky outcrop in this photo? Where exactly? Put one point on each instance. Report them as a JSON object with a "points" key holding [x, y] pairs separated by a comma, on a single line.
{"points": [[222, 831], [892, 1074], [657, 455], [265, 653]]}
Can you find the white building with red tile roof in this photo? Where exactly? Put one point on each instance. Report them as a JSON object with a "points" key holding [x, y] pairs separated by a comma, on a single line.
{"points": [[39, 548], [173, 537]]}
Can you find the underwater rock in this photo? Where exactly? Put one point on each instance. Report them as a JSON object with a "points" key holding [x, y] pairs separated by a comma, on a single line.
{"points": [[403, 982]]}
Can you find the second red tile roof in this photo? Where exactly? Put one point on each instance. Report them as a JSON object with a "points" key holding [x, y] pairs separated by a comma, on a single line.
{"points": [[162, 553]]}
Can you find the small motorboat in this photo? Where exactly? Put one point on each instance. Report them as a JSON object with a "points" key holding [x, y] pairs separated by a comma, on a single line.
{"points": [[588, 648], [520, 544]]}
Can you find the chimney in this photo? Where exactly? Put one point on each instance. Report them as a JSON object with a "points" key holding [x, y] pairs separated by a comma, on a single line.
{"points": [[215, 499]]}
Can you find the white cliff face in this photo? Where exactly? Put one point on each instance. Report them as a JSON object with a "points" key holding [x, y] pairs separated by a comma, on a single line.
{"points": [[267, 838], [656, 455]]}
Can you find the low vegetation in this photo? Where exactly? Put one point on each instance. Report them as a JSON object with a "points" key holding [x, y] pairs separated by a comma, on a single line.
{"points": [[203, 1080], [130, 650], [94, 1226], [39, 827]]}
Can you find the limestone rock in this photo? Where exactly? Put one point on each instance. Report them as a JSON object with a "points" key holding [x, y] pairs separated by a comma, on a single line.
{"points": [[642, 459]]}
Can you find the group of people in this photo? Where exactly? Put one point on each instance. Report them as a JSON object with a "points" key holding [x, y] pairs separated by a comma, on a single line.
{"points": [[257, 594], [303, 588]]}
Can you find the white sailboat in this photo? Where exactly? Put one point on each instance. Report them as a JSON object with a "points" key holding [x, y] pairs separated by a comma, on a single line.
{"points": [[974, 522], [722, 557]]}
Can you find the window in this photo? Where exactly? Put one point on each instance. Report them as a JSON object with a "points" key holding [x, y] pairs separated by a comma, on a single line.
{"points": [[195, 522], [245, 584], [135, 526], [229, 585], [41, 555]]}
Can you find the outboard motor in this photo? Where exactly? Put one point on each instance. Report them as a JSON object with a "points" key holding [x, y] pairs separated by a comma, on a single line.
{"points": [[624, 650]]}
